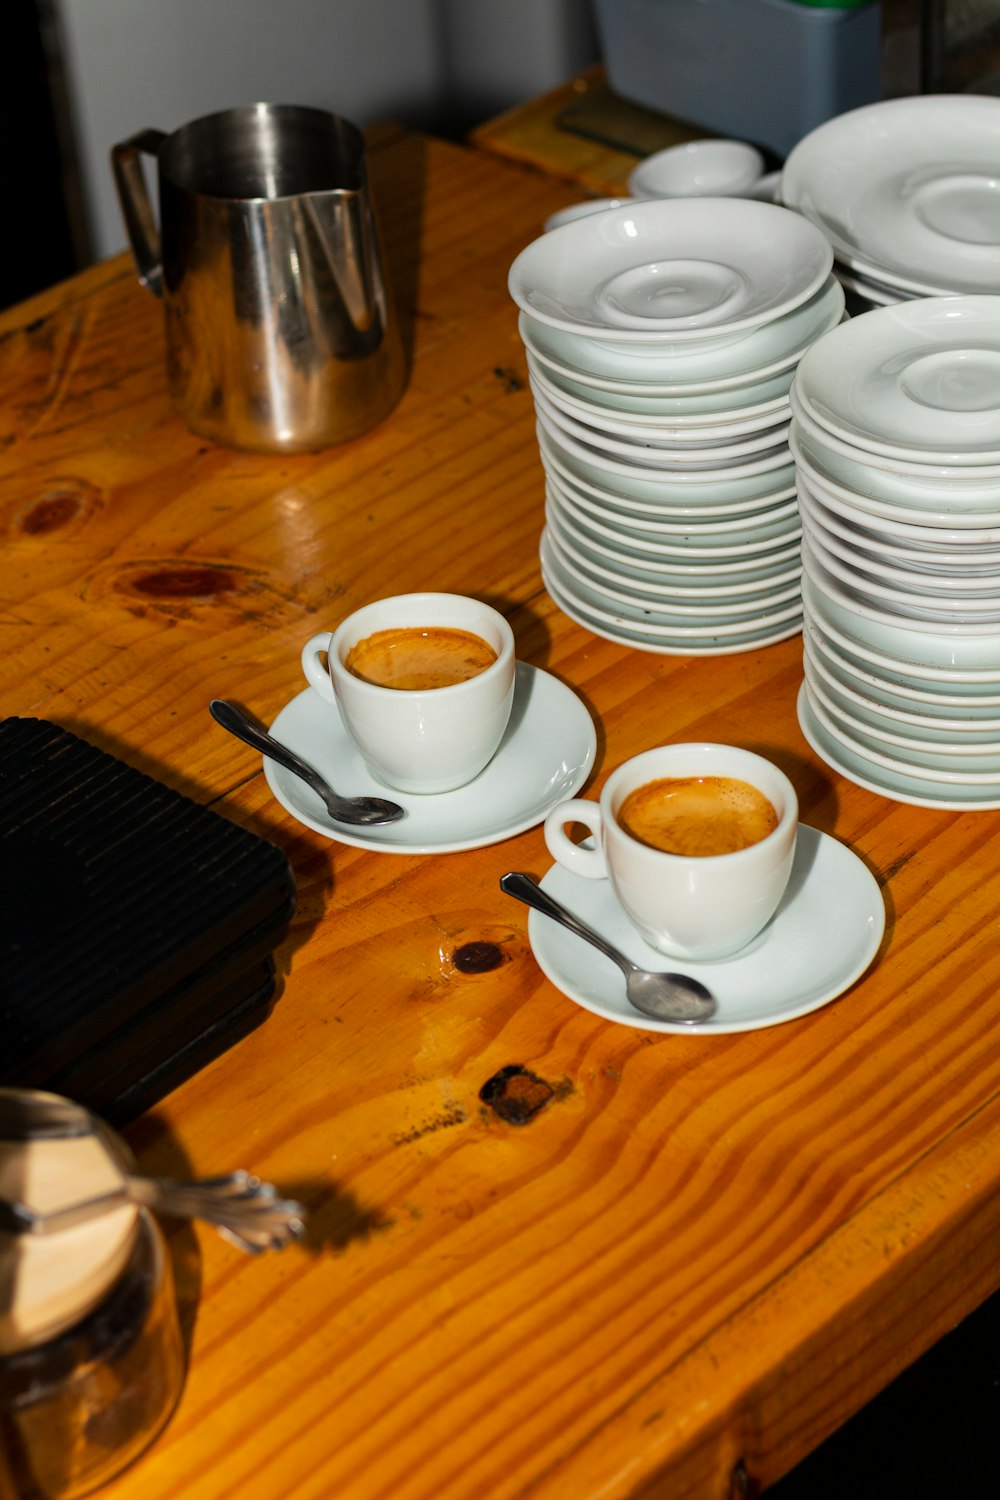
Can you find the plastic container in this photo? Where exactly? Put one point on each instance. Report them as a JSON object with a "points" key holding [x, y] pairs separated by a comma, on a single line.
{"points": [[763, 71]]}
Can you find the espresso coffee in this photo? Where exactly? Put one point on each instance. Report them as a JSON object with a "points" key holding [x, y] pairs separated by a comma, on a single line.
{"points": [[697, 815], [413, 659]]}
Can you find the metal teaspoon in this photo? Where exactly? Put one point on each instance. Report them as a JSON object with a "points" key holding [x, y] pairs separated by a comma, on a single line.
{"points": [[665, 997], [245, 1211], [363, 810]]}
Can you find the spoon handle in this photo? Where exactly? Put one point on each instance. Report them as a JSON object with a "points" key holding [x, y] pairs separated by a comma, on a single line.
{"points": [[523, 888], [230, 717], [245, 1210]]}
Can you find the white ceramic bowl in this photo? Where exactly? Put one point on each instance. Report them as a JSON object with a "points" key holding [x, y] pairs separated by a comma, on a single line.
{"points": [[712, 168], [671, 269]]}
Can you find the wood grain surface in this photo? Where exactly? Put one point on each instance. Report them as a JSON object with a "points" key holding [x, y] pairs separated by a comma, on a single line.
{"points": [[584, 134], [697, 1255]]}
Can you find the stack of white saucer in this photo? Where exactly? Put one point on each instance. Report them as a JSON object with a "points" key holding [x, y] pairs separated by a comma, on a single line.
{"points": [[662, 337], [906, 192], [896, 440]]}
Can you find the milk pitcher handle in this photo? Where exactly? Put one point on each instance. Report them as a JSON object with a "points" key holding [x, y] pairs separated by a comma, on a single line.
{"points": [[137, 210]]}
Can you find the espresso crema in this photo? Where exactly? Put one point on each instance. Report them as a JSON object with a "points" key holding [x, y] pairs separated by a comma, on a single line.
{"points": [[415, 659], [697, 815]]}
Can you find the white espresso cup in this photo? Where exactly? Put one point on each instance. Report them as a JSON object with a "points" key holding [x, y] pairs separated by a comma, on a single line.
{"points": [[424, 740], [690, 906]]}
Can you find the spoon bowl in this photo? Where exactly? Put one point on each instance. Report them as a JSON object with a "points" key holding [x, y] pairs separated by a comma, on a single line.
{"points": [[664, 997], [365, 811]]}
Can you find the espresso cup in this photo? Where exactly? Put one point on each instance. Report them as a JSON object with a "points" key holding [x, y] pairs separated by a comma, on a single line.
{"points": [[428, 739], [690, 906]]}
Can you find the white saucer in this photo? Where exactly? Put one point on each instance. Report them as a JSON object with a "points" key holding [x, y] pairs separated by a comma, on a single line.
{"points": [[913, 790], [545, 757], [581, 211], [612, 628], [724, 413], [707, 625], [690, 446], [657, 579], [757, 354], [684, 267], [784, 973], [667, 605], [918, 381], [906, 190], [871, 291]]}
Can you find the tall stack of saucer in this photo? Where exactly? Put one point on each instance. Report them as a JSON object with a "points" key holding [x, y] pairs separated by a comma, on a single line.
{"points": [[662, 337], [896, 440], [906, 192]]}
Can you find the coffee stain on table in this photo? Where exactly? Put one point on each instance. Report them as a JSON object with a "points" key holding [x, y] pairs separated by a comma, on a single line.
{"points": [[477, 957], [517, 1095], [454, 1116]]}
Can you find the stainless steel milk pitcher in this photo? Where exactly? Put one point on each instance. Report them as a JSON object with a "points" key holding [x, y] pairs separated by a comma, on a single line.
{"points": [[280, 335]]}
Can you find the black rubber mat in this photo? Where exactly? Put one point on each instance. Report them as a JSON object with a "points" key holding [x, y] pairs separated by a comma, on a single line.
{"points": [[133, 922]]}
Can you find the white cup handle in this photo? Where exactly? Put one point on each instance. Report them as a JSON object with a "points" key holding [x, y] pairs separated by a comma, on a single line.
{"points": [[316, 674], [588, 862]]}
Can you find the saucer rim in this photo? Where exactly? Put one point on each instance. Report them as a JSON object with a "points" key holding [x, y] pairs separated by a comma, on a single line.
{"points": [[594, 255], [882, 136], [658, 647], [908, 789], [556, 875], [369, 840]]}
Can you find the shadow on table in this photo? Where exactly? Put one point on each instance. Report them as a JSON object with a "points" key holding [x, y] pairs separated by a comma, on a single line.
{"points": [[930, 1435]]}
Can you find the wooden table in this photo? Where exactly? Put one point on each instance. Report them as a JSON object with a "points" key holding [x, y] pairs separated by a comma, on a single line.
{"points": [[698, 1255], [583, 134]]}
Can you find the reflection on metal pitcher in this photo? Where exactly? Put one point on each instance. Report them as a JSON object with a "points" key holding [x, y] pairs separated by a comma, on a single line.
{"points": [[279, 330]]}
